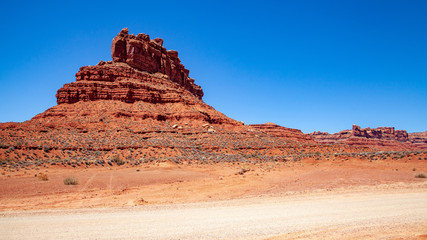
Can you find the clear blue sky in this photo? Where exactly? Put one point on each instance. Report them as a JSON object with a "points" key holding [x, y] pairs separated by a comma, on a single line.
{"points": [[310, 65]]}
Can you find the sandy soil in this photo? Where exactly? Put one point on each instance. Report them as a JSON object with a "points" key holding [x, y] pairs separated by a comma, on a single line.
{"points": [[169, 183], [351, 199]]}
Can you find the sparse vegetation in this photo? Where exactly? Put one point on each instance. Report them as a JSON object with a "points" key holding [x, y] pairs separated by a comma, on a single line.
{"points": [[421, 175], [117, 160], [43, 177], [243, 171], [70, 181]]}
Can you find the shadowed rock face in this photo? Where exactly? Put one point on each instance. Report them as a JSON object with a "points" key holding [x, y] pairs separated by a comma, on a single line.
{"points": [[141, 70]]}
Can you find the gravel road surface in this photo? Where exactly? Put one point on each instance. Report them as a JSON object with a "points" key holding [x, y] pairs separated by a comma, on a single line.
{"points": [[254, 218]]}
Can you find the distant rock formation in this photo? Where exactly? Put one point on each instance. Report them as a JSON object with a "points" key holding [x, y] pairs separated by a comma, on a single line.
{"points": [[385, 138], [419, 139], [385, 133]]}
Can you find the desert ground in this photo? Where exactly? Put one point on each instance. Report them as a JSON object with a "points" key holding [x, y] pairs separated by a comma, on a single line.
{"points": [[351, 199]]}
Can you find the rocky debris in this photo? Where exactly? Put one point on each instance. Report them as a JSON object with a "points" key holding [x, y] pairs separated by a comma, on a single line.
{"points": [[283, 132]]}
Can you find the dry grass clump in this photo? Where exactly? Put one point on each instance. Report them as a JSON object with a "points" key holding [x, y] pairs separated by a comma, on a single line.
{"points": [[140, 201], [70, 181], [43, 177], [421, 175]]}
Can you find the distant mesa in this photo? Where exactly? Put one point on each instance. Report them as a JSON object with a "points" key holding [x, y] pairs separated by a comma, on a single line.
{"points": [[380, 138]]}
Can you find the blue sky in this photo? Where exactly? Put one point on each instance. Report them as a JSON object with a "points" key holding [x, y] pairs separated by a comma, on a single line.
{"points": [[310, 65]]}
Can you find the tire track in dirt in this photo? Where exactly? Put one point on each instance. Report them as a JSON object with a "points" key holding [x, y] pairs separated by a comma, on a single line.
{"points": [[110, 185], [88, 182], [81, 194]]}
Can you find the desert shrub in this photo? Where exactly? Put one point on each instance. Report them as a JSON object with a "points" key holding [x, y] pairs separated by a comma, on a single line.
{"points": [[420, 175], [117, 160], [70, 181], [43, 177]]}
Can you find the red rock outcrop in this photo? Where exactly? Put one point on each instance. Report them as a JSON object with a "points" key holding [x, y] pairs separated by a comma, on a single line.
{"points": [[119, 81], [383, 138], [283, 132], [149, 55], [419, 139], [385, 133], [141, 70]]}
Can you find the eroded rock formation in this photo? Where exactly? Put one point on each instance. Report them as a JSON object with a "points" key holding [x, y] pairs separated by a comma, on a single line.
{"points": [[149, 55], [384, 138], [141, 70], [419, 139], [385, 133]]}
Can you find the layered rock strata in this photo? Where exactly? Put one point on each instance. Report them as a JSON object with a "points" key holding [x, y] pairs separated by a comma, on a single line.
{"points": [[419, 139], [283, 132], [149, 55], [141, 70], [384, 138]]}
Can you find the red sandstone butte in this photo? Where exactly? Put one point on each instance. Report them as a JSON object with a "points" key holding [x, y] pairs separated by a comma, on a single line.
{"points": [[141, 70]]}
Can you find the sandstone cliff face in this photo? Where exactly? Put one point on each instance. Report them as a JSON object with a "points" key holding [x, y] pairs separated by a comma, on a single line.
{"points": [[141, 70], [283, 132], [419, 139], [149, 55], [121, 82], [385, 133]]}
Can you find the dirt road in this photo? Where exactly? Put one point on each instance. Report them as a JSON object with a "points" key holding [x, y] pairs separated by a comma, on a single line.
{"points": [[327, 216]]}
